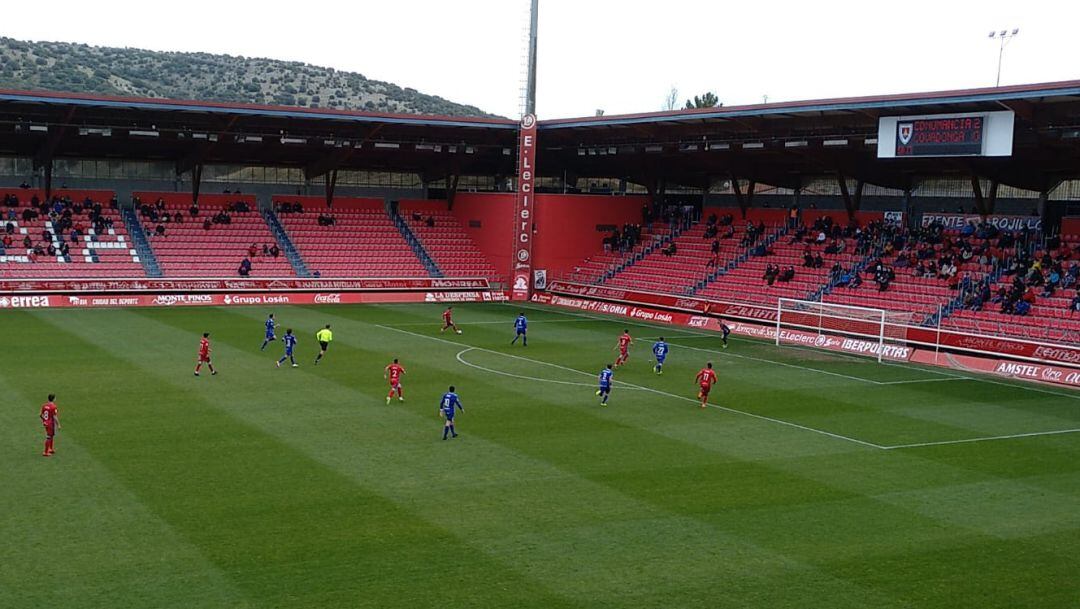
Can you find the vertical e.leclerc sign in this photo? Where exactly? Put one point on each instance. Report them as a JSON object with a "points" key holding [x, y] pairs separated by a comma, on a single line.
{"points": [[523, 210]]}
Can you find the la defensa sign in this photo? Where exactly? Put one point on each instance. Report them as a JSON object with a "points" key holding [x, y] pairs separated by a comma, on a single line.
{"points": [[523, 209]]}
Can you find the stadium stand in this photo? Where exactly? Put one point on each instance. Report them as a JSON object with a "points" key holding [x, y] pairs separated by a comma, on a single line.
{"points": [[354, 238], [214, 241], [442, 236], [77, 234]]}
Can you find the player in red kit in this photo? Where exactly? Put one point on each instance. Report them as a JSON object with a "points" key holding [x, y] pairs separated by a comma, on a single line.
{"points": [[204, 355], [624, 348], [706, 378], [51, 421], [448, 320], [394, 372]]}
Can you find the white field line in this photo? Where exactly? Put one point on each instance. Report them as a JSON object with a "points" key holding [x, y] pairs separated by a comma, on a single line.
{"points": [[461, 359], [508, 324], [642, 388], [929, 370], [740, 356], [983, 439], [945, 380]]}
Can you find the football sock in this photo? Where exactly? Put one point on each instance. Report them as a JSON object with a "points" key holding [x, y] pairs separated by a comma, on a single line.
{"points": [[445, 431]]}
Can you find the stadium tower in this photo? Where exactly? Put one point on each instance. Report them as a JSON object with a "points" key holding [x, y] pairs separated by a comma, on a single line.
{"points": [[522, 275]]}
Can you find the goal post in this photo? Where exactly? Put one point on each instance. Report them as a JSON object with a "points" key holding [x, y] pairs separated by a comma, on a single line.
{"points": [[861, 330]]}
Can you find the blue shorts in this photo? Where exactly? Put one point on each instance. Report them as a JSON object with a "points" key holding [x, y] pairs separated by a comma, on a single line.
{"points": [[288, 353], [605, 388], [449, 415], [521, 332], [269, 335], [660, 359]]}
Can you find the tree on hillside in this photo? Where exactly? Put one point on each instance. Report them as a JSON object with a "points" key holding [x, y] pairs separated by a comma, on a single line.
{"points": [[707, 100]]}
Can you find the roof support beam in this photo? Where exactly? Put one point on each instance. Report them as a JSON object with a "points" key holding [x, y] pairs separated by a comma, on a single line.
{"points": [[984, 204], [745, 200], [329, 186], [851, 203], [197, 156]]}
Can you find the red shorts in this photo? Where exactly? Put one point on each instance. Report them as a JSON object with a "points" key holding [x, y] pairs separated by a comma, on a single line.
{"points": [[204, 358], [50, 430], [395, 384], [705, 387], [624, 352]]}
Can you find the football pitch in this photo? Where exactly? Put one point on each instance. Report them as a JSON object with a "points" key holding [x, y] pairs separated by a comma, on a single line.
{"points": [[815, 480]]}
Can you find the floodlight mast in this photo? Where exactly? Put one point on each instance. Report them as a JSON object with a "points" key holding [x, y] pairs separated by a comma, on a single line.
{"points": [[1003, 37], [530, 87]]}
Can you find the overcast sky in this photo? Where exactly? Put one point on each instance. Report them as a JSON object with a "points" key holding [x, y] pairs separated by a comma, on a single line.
{"points": [[616, 55]]}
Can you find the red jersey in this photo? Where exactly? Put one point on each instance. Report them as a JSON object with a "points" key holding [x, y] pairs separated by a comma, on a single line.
{"points": [[447, 315], [707, 377], [395, 371], [624, 342], [204, 347], [48, 414]]}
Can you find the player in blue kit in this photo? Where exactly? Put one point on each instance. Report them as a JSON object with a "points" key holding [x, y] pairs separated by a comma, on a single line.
{"points": [[521, 326], [726, 330], [450, 400], [605, 384], [290, 343], [270, 325], [660, 351]]}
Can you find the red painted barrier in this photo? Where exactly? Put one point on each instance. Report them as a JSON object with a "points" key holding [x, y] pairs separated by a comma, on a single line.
{"points": [[60, 286], [80, 301]]}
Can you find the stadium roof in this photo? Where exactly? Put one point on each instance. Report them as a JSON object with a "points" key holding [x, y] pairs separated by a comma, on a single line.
{"points": [[775, 143]]}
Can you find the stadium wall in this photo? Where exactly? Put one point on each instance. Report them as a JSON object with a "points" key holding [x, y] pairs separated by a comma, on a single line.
{"points": [[565, 226]]}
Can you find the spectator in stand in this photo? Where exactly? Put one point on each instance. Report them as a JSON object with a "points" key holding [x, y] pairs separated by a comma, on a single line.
{"points": [[808, 257], [787, 275], [715, 247], [245, 267], [8, 242], [253, 250], [160, 230], [206, 224], [1069, 279], [193, 211], [27, 242], [64, 249], [274, 250], [430, 222], [1074, 306], [178, 218], [771, 273], [1022, 307], [819, 262], [670, 250]]}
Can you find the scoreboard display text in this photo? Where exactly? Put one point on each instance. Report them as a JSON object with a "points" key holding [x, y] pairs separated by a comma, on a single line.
{"points": [[947, 136]]}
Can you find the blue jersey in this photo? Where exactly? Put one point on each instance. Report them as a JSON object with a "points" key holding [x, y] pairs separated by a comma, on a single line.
{"points": [[448, 402], [270, 326], [660, 350], [605, 377], [290, 342], [521, 324]]}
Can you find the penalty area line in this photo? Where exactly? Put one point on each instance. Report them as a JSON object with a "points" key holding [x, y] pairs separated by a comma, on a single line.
{"points": [[1056, 432], [639, 387]]}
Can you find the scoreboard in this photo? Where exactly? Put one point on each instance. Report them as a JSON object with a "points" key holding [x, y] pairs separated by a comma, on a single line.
{"points": [[944, 135], [956, 136]]}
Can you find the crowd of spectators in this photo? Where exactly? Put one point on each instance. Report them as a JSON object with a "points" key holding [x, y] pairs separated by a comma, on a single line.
{"points": [[624, 240], [70, 220]]}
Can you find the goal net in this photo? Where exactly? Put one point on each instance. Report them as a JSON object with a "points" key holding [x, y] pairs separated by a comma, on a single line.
{"points": [[877, 333]]}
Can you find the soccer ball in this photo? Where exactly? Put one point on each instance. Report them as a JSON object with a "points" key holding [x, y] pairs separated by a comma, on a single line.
{"points": [[459, 331]]}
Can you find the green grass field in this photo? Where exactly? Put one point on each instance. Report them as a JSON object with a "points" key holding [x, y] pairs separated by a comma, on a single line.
{"points": [[819, 481]]}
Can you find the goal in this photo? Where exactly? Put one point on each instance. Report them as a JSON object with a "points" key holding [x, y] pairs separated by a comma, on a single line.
{"points": [[857, 330]]}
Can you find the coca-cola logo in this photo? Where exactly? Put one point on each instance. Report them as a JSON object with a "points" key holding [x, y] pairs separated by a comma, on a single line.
{"points": [[328, 298]]}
